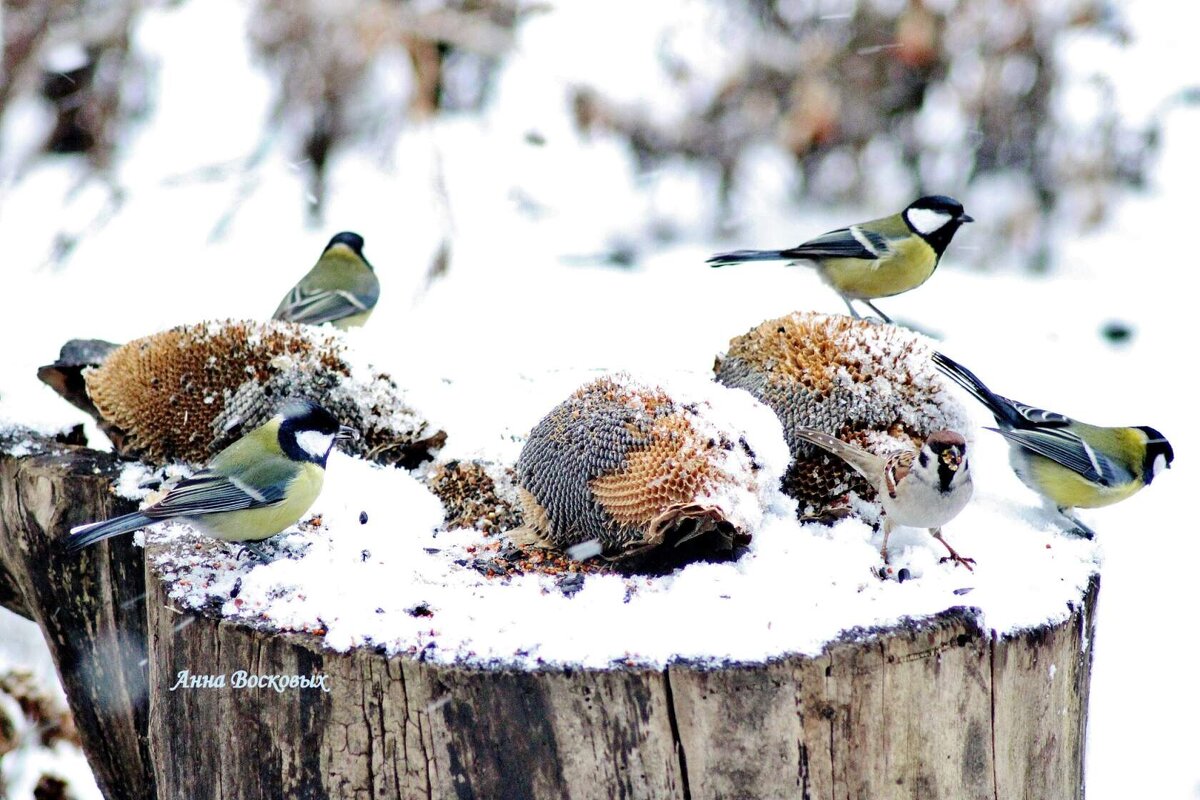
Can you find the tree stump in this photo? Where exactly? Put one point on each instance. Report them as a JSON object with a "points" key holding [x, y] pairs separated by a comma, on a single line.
{"points": [[932, 708], [92, 611]]}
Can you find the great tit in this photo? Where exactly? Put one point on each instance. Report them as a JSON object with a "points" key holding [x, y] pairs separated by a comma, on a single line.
{"points": [[251, 490], [923, 488], [873, 259], [341, 288], [1071, 464]]}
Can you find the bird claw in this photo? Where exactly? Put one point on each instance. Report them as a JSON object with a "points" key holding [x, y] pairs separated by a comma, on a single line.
{"points": [[254, 550], [1078, 527], [957, 559], [1082, 531]]}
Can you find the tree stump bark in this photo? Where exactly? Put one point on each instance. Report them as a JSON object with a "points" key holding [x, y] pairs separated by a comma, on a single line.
{"points": [[933, 708], [92, 611]]}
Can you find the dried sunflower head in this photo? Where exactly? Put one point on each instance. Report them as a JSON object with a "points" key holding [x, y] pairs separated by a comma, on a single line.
{"points": [[866, 383], [188, 392], [631, 467]]}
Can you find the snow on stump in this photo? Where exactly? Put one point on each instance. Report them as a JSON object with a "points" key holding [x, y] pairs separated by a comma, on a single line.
{"points": [[266, 699]]}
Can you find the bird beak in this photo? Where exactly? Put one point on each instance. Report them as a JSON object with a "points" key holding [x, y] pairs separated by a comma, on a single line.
{"points": [[346, 432], [965, 217], [952, 459]]}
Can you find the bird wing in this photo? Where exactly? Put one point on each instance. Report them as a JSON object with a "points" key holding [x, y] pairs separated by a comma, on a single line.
{"points": [[895, 468], [852, 242], [1039, 416], [867, 464], [316, 307], [207, 492], [1067, 449]]}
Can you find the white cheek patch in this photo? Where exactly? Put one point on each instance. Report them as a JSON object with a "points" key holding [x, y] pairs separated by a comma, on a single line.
{"points": [[1160, 463], [314, 443], [926, 220]]}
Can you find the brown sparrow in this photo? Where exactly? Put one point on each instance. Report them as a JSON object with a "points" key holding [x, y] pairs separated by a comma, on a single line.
{"points": [[921, 489]]}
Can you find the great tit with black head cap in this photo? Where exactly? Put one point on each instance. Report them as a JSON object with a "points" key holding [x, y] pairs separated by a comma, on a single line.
{"points": [[253, 489], [1070, 463], [341, 288], [880, 258]]}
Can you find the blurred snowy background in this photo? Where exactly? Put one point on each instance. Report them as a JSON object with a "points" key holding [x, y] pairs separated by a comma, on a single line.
{"points": [[539, 183]]}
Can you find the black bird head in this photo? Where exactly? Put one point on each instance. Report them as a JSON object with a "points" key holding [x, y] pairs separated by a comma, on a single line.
{"points": [[1159, 454], [935, 218], [308, 431], [351, 240]]}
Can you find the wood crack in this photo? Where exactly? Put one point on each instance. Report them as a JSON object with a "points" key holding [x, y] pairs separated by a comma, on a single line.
{"points": [[992, 693], [366, 683], [674, 722]]}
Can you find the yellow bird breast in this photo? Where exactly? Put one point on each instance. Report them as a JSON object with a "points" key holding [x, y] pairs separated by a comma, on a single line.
{"points": [[909, 265], [353, 321], [252, 525], [1067, 488]]}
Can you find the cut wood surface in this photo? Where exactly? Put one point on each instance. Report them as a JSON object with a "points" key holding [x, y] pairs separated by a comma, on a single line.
{"points": [[933, 708]]}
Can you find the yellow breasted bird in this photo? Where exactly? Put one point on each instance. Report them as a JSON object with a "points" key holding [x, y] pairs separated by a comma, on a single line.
{"points": [[341, 288], [880, 258], [253, 489], [1069, 463]]}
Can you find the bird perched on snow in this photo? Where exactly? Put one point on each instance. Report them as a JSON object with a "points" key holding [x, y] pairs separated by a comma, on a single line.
{"points": [[880, 258], [251, 490], [1069, 463], [341, 288], [922, 489]]}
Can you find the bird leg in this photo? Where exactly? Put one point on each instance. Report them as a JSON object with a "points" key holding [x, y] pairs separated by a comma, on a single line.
{"points": [[882, 315], [1080, 529], [888, 525], [853, 311], [954, 556]]}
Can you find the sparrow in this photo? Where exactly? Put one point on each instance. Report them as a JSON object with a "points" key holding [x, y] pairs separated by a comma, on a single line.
{"points": [[923, 488]]}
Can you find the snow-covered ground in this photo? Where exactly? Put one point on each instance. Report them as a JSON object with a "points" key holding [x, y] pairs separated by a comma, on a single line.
{"points": [[524, 314]]}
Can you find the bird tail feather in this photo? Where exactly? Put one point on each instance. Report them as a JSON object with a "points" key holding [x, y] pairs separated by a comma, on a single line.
{"points": [[856, 457], [1001, 409], [85, 535], [740, 256]]}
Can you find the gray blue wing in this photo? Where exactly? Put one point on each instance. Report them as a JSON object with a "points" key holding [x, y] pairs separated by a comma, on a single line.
{"points": [[207, 492], [314, 308], [852, 242], [1067, 449]]}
